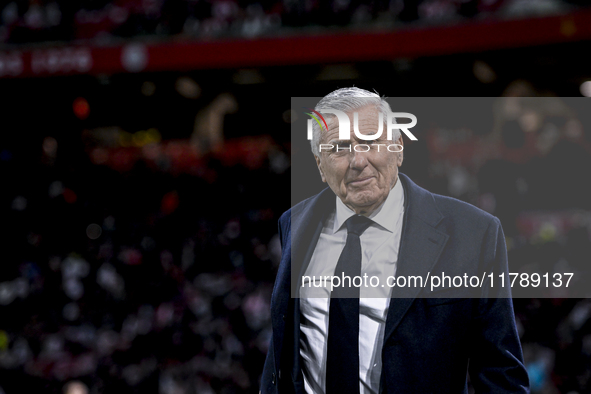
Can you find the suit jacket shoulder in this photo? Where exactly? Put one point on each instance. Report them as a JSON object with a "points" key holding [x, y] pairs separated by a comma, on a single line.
{"points": [[451, 207]]}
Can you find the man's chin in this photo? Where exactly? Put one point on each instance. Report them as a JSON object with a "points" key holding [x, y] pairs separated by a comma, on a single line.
{"points": [[362, 202]]}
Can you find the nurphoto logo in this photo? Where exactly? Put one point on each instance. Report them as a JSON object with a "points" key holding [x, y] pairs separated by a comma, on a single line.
{"points": [[345, 127]]}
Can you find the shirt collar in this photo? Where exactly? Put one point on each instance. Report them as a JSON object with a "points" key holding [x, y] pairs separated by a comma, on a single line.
{"points": [[383, 215]]}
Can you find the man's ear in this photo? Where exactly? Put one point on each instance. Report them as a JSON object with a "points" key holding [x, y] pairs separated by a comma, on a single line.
{"points": [[400, 154], [320, 169]]}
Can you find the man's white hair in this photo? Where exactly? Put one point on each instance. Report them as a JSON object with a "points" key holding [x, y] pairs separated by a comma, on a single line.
{"points": [[348, 100]]}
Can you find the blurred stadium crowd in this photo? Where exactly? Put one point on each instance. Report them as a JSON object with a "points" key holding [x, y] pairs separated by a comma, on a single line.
{"points": [[139, 281], [105, 21]]}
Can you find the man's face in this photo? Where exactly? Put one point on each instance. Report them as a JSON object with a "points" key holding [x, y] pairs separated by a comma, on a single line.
{"points": [[362, 180]]}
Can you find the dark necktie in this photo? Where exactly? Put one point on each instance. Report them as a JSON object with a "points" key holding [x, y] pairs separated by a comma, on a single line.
{"points": [[342, 365]]}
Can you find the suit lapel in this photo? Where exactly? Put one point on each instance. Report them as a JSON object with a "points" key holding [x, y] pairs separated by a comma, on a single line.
{"points": [[421, 244], [304, 228]]}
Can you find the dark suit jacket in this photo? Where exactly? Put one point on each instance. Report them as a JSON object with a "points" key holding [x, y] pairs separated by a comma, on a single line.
{"points": [[430, 343]]}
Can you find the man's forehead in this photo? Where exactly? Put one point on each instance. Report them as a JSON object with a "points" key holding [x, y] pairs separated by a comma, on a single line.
{"points": [[368, 115]]}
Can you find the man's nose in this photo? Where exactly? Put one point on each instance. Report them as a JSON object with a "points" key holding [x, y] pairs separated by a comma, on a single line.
{"points": [[358, 159]]}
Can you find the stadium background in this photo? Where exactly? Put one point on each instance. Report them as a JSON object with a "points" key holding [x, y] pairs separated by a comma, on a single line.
{"points": [[145, 159]]}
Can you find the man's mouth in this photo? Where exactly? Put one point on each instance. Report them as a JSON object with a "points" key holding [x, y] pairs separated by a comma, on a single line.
{"points": [[361, 181]]}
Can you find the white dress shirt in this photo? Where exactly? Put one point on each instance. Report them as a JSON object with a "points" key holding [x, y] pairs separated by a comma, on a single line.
{"points": [[379, 245]]}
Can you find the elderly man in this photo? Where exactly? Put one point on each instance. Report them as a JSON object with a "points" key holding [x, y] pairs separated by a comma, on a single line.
{"points": [[371, 221]]}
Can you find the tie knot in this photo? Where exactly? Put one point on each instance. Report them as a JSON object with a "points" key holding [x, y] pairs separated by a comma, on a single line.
{"points": [[357, 224]]}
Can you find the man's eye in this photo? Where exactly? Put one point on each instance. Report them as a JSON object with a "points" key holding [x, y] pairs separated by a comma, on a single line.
{"points": [[343, 145]]}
